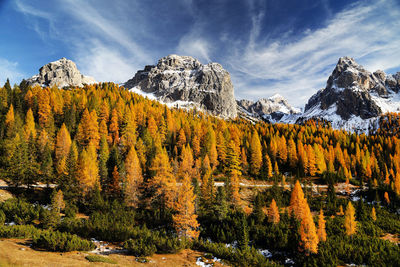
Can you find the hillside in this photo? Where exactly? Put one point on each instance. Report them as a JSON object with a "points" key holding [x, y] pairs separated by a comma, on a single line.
{"points": [[143, 175]]}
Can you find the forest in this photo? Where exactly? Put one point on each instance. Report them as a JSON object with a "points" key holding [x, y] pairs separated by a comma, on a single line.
{"points": [[160, 180]]}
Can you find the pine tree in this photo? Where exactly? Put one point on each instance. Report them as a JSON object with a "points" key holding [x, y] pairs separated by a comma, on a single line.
{"points": [[308, 234], [350, 220], [255, 154], [321, 227], [185, 219], [104, 155], [134, 178], [273, 212]]}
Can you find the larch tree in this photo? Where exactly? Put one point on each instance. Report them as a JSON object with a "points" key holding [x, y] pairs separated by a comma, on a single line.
{"points": [[134, 178], [386, 197], [186, 161], [63, 145], [57, 201], [273, 212], [321, 227], [308, 235], [10, 122], [114, 128], [163, 183], [233, 170], [349, 220], [268, 166], [297, 201], [311, 168], [206, 182], [29, 127], [255, 154], [185, 219], [292, 153], [88, 172], [373, 214]]}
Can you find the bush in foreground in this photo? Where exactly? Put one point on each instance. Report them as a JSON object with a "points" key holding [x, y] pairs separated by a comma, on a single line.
{"points": [[98, 258], [57, 241]]}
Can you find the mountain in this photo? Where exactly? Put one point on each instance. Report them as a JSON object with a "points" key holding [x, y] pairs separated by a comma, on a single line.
{"points": [[273, 108], [62, 72], [182, 81], [354, 98]]}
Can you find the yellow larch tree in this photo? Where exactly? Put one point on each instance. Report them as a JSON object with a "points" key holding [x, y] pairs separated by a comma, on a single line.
{"points": [[349, 220], [134, 178], [29, 127], [373, 214], [113, 129], [163, 183], [234, 171], [185, 219], [297, 201], [88, 171], [63, 145], [255, 154], [308, 235], [10, 122], [273, 212]]}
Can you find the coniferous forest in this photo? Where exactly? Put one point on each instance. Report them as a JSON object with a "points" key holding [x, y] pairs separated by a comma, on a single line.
{"points": [[103, 163]]}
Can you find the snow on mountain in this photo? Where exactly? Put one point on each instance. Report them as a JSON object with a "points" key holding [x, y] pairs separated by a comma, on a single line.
{"points": [[62, 72], [184, 82]]}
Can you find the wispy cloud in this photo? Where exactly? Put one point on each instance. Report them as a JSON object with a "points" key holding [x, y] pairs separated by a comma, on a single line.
{"points": [[98, 40], [298, 66], [35, 16], [9, 70]]}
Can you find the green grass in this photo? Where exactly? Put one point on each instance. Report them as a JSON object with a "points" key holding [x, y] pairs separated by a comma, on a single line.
{"points": [[97, 258]]}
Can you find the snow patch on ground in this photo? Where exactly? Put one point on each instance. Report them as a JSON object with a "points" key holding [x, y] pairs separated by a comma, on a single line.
{"points": [[265, 252]]}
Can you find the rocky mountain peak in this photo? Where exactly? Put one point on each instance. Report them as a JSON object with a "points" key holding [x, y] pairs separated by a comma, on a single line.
{"points": [[354, 95], [62, 72], [184, 80]]}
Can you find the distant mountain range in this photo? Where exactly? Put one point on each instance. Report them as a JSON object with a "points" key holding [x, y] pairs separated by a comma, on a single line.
{"points": [[353, 98]]}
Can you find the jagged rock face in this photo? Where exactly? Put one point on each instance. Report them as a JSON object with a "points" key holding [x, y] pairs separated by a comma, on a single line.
{"points": [[275, 106], [62, 72], [354, 90], [183, 78], [275, 103]]}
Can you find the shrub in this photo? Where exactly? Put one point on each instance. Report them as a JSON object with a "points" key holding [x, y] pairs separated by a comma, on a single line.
{"points": [[140, 247], [98, 258], [57, 241], [20, 211], [18, 231], [2, 217]]}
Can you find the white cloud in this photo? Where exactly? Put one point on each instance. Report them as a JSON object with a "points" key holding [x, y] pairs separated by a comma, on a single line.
{"points": [[9, 70], [298, 67], [105, 64], [196, 47]]}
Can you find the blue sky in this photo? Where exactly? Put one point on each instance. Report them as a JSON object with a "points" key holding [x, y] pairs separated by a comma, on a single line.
{"points": [[288, 47]]}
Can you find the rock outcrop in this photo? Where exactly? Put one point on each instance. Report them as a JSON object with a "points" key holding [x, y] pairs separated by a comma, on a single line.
{"points": [[274, 107], [355, 91], [183, 79], [61, 73]]}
